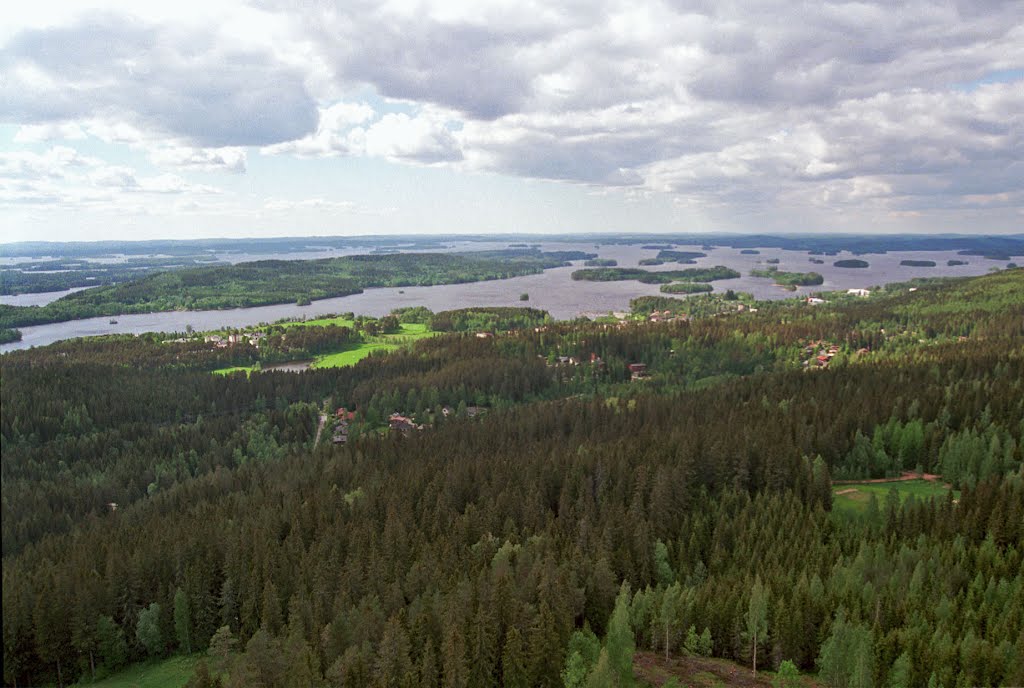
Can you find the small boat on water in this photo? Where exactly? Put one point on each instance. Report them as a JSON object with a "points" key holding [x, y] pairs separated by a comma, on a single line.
{"points": [[113, 322]]}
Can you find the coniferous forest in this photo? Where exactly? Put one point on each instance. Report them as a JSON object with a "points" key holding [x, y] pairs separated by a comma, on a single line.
{"points": [[567, 497]]}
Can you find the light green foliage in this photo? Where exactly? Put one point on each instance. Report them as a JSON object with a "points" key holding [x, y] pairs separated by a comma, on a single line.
{"points": [[662, 567], [147, 630], [576, 670], [669, 615], [604, 674], [900, 673], [847, 657], [620, 644], [757, 616], [787, 676], [173, 672]]}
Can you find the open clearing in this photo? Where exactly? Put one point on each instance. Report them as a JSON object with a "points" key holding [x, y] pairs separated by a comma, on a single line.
{"points": [[651, 669], [407, 334], [853, 498], [173, 672]]}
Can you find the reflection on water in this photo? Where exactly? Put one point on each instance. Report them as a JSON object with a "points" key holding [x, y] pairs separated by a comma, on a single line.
{"points": [[552, 291]]}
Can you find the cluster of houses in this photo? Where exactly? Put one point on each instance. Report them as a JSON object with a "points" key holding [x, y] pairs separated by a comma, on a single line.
{"points": [[819, 354], [220, 342], [637, 371], [403, 424], [666, 316], [343, 417], [815, 301]]}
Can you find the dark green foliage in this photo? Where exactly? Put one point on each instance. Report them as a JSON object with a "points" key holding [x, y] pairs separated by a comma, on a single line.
{"points": [[488, 319], [8, 335], [686, 288], [601, 263], [278, 281], [791, 279], [477, 549], [918, 263], [668, 255], [718, 272], [851, 263]]}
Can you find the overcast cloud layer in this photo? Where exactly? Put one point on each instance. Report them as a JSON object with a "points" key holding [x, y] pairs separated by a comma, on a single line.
{"points": [[787, 114]]}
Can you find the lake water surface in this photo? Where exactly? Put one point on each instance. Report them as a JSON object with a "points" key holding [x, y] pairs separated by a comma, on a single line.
{"points": [[552, 290]]}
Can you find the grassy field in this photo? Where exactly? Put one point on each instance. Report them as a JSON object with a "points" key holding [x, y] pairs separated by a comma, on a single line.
{"points": [[319, 322], [351, 356], [408, 333], [173, 672], [234, 369], [853, 498]]}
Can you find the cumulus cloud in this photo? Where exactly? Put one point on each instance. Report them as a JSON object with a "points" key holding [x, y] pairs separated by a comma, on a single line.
{"points": [[63, 176], [754, 105], [179, 83], [331, 135], [229, 159]]}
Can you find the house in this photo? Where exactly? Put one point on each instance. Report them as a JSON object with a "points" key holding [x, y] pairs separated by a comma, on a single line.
{"points": [[235, 338], [341, 434], [401, 423], [863, 293], [637, 371], [345, 415], [112, 506], [213, 339], [484, 335]]}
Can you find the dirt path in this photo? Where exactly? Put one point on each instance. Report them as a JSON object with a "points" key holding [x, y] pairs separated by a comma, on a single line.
{"points": [[319, 429], [906, 475]]}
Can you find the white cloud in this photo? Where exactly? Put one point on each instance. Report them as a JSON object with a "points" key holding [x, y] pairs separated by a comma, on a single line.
{"points": [[331, 135], [228, 159], [756, 105], [52, 131]]}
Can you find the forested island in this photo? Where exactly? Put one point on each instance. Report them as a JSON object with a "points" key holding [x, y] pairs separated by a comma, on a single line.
{"points": [[284, 281], [515, 501], [789, 279], [918, 263], [851, 263], [718, 272]]}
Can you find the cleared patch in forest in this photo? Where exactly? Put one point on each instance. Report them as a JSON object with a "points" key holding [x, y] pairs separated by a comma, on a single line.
{"points": [[853, 498], [651, 669], [172, 672]]}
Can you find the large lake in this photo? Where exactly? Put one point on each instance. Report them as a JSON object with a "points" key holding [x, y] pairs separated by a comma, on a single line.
{"points": [[552, 291]]}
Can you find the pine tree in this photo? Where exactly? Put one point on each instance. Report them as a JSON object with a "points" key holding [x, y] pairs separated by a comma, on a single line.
{"points": [[183, 621]]}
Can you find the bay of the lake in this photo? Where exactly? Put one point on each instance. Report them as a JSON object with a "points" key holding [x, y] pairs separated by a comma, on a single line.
{"points": [[553, 290]]}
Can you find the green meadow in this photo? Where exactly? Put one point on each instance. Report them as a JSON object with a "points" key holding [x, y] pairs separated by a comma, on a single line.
{"points": [[407, 334], [853, 498], [172, 672]]}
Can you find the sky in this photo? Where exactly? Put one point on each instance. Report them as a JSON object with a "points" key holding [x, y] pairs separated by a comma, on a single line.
{"points": [[128, 119]]}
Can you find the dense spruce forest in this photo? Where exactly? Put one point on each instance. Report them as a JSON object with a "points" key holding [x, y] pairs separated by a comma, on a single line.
{"points": [[577, 492]]}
